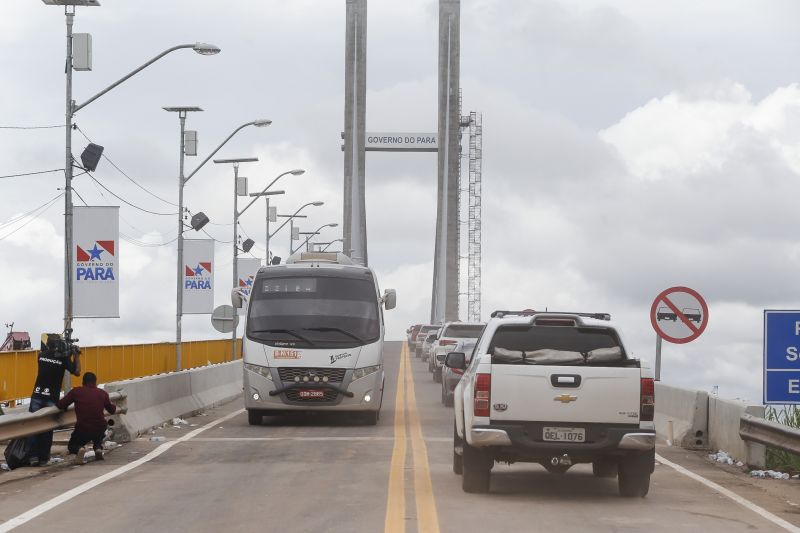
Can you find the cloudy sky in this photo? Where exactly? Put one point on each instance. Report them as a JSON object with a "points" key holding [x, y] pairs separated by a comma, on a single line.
{"points": [[629, 146]]}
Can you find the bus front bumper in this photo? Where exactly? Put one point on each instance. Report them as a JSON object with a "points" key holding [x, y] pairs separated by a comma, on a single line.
{"points": [[261, 393]]}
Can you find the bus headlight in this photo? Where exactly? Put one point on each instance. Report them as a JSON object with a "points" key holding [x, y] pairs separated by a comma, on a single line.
{"points": [[363, 372], [258, 369]]}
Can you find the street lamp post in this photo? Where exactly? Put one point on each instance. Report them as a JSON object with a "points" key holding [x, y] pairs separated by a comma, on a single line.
{"points": [[307, 235], [71, 109], [290, 220], [316, 232], [235, 162], [182, 111], [327, 244], [295, 172]]}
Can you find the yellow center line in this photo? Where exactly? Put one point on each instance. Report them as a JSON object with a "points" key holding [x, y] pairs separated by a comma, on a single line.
{"points": [[427, 517], [395, 521]]}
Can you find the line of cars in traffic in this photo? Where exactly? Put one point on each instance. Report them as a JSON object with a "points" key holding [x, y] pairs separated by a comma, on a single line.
{"points": [[431, 343], [554, 388]]}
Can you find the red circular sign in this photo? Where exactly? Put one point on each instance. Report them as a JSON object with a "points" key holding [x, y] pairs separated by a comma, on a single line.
{"points": [[679, 315]]}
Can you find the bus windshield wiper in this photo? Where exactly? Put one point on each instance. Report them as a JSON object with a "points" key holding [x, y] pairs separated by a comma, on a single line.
{"points": [[287, 331], [340, 330]]}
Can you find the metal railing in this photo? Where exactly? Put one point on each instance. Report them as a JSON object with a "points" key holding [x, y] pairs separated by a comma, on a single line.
{"points": [[113, 363], [46, 419], [754, 429]]}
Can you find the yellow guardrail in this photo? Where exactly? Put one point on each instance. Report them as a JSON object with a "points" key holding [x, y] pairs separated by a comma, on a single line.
{"points": [[113, 363]]}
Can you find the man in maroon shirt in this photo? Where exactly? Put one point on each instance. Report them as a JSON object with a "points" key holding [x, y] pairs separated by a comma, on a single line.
{"points": [[91, 422]]}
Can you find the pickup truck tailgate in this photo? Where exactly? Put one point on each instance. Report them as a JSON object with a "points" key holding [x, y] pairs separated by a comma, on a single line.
{"points": [[585, 394]]}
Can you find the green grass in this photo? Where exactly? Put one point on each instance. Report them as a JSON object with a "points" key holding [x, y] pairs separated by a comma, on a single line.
{"points": [[780, 460]]}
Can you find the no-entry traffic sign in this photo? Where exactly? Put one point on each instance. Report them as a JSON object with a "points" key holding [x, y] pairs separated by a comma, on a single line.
{"points": [[679, 315]]}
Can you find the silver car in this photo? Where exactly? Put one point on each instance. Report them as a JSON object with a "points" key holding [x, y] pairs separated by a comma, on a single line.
{"points": [[422, 333], [451, 376], [425, 351]]}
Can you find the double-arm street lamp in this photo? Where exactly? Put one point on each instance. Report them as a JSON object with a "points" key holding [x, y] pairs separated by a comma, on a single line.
{"points": [[182, 112], [71, 109]]}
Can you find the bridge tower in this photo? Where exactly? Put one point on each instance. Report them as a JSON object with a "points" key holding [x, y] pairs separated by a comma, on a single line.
{"points": [[444, 301], [354, 224]]}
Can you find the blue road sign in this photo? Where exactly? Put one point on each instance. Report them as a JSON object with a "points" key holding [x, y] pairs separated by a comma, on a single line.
{"points": [[781, 357]]}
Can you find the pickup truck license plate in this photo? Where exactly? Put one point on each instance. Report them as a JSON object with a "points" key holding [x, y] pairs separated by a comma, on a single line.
{"points": [[564, 434], [312, 393]]}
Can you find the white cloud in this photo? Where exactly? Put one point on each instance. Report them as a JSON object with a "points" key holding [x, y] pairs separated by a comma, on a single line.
{"points": [[627, 148]]}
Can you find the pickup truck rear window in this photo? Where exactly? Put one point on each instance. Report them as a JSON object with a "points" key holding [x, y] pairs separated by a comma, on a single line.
{"points": [[556, 345], [463, 332]]}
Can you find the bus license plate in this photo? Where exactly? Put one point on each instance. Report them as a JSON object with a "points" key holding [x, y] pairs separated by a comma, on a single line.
{"points": [[312, 393], [564, 434]]}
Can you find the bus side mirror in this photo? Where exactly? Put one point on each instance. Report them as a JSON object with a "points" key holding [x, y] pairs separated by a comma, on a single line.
{"points": [[236, 299], [389, 299], [456, 360]]}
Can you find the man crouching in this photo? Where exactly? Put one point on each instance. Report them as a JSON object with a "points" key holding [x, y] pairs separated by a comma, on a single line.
{"points": [[91, 422]]}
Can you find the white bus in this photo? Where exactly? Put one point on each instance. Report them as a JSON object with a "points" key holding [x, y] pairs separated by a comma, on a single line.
{"points": [[313, 338]]}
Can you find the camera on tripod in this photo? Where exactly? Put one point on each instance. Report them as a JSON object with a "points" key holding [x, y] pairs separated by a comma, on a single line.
{"points": [[60, 346]]}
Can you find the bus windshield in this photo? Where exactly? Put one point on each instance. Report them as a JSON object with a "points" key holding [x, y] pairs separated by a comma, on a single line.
{"points": [[314, 312]]}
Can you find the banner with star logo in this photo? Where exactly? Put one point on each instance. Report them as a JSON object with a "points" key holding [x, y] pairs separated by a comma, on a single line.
{"points": [[95, 262], [198, 276], [247, 269]]}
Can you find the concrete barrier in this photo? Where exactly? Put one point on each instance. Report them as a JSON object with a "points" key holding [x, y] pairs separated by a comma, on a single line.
{"points": [[153, 400], [723, 430], [687, 412]]}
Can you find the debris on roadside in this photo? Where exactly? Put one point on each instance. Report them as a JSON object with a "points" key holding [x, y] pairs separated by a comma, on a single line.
{"points": [[769, 474], [158, 438], [179, 422], [721, 457]]}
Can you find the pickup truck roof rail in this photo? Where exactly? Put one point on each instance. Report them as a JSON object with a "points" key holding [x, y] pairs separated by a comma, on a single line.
{"points": [[597, 316]]}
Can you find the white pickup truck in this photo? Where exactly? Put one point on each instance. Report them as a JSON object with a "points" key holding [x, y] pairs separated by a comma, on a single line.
{"points": [[555, 389]]}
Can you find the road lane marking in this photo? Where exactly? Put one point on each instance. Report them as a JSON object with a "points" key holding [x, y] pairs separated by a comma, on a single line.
{"points": [[42, 508], [427, 517], [395, 521], [300, 439], [747, 504], [447, 440]]}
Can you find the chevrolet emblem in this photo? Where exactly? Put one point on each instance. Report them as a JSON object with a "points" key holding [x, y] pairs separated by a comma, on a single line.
{"points": [[565, 398]]}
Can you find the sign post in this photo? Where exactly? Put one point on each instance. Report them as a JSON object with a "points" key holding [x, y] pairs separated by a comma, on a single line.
{"points": [[781, 357], [679, 315]]}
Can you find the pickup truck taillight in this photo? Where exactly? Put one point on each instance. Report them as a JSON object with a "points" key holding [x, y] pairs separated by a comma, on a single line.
{"points": [[648, 400], [483, 387]]}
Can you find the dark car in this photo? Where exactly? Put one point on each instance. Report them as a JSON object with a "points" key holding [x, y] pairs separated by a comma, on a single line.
{"points": [[665, 313], [451, 376], [412, 333], [692, 314]]}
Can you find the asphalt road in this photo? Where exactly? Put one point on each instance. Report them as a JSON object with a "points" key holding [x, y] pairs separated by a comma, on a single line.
{"points": [[325, 474]]}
